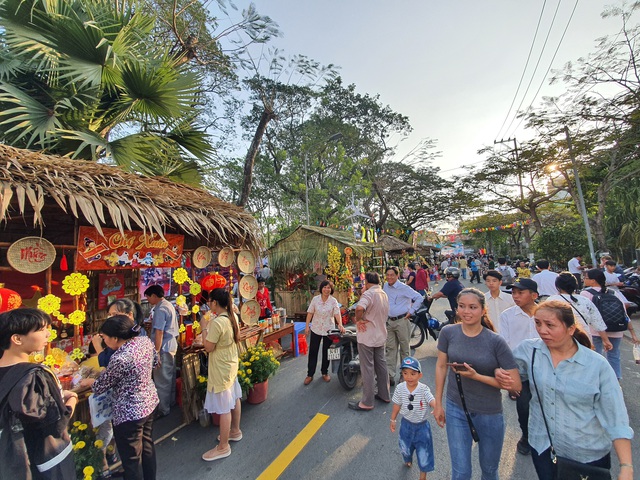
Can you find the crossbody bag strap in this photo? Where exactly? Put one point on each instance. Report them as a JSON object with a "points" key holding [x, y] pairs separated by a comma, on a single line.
{"points": [[572, 306], [553, 451], [474, 433]]}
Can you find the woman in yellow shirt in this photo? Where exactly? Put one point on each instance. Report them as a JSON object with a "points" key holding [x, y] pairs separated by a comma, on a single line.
{"points": [[223, 390], [522, 270]]}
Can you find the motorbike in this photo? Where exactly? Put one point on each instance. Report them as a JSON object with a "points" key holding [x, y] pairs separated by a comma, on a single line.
{"points": [[423, 324], [343, 356], [631, 290]]}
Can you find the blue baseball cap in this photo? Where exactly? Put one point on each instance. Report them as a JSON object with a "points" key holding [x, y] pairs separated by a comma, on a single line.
{"points": [[411, 363]]}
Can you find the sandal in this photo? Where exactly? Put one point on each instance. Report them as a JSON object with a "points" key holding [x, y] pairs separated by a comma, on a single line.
{"points": [[356, 406]]}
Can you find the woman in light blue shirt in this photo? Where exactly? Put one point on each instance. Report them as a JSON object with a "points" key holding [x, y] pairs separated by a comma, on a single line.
{"points": [[582, 400]]}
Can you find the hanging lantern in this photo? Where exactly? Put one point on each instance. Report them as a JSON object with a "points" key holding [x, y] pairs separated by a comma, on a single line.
{"points": [[9, 299], [213, 281]]}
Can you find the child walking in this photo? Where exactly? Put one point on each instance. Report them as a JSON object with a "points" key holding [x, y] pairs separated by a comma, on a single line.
{"points": [[411, 399]]}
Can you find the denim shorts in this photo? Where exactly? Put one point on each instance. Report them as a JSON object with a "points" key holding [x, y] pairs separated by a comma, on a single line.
{"points": [[417, 437]]}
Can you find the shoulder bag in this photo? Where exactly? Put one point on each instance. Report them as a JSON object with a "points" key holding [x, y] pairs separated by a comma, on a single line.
{"points": [[565, 468], [474, 433]]}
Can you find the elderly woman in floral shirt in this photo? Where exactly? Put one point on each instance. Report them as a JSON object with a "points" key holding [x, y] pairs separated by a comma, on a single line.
{"points": [[128, 377], [323, 309]]}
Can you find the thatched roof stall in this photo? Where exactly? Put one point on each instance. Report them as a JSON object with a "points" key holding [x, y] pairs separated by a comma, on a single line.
{"points": [[296, 259], [393, 245], [55, 198], [307, 247], [47, 195]]}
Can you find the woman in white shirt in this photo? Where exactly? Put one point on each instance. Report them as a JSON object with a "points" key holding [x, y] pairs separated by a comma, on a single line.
{"points": [[324, 310], [595, 280], [584, 310]]}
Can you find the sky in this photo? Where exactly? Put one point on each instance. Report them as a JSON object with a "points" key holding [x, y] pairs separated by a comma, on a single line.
{"points": [[451, 66]]}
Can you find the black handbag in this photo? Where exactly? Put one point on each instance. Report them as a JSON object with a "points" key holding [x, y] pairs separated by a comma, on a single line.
{"points": [[565, 468]]}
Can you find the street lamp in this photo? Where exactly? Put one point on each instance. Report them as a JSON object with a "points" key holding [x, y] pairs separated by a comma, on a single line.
{"points": [[332, 138]]}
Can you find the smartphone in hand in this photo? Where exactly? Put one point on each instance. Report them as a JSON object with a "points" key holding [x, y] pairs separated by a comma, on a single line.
{"points": [[458, 367]]}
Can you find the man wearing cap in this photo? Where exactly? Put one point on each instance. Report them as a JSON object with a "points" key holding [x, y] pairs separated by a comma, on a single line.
{"points": [[371, 317], [497, 301], [517, 324], [403, 302], [546, 280]]}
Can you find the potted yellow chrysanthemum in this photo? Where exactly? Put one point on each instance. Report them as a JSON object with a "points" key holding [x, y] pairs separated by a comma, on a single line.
{"points": [[258, 363]]}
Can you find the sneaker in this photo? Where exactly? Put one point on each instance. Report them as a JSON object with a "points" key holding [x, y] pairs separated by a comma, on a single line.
{"points": [[523, 446], [216, 454], [234, 438]]}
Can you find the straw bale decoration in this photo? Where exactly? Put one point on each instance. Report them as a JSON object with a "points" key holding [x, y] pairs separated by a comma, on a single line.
{"points": [[47, 187]]}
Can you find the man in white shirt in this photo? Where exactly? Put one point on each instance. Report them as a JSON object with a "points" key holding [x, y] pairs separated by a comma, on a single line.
{"points": [[497, 301], [516, 325], [545, 279], [611, 278], [575, 268]]}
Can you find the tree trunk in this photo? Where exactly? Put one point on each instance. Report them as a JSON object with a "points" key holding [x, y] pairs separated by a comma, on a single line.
{"points": [[598, 222], [250, 159]]}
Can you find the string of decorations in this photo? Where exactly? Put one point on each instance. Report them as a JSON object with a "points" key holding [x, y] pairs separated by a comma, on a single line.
{"points": [[391, 231]]}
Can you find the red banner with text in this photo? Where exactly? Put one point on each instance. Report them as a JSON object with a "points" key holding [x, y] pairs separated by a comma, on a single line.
{"points": [[133, 249]]}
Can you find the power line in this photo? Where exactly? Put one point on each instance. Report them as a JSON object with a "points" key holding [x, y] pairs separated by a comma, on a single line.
{"points": [[524, 71], [537, 64], [548, 69]]}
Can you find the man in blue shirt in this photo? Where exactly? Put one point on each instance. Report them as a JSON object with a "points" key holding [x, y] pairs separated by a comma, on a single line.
{"points": [[403, 302], [164, 331], [451, 289]]}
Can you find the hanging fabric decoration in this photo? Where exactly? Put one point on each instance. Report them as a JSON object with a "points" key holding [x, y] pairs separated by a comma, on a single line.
{"points": [[187, 262], [64, 266]]}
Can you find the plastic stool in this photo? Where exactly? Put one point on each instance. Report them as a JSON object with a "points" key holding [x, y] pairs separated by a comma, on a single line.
{"points": [[298, 328], [302, 344]]}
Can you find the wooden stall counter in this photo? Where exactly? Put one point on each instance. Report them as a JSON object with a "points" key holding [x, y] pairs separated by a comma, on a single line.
{"points": [[276, 335]]}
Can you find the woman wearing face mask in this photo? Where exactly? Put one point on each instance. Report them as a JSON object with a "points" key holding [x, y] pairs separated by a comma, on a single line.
{"points": [[223, 389], [470, 351], [576, 392]]}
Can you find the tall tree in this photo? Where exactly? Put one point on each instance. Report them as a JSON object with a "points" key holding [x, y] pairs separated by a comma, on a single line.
{"points": [[82, 79]]}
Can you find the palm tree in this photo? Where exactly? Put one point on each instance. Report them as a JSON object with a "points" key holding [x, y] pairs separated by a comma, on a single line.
{"points": [[81, 78]]}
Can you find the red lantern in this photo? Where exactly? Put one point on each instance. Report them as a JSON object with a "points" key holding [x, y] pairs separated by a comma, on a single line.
{"points": [[213, 281], [9, 299]]}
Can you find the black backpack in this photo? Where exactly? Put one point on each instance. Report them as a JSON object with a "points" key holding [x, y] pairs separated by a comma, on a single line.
{"points": [[15, 463], [611, 309]]}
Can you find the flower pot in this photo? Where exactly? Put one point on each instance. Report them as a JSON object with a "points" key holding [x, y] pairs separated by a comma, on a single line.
{"points": [[258, 393]]}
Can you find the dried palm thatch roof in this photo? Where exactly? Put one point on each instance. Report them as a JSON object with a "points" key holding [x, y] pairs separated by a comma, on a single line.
{"points": [[106, 195], [308, 245], [393, 244]]}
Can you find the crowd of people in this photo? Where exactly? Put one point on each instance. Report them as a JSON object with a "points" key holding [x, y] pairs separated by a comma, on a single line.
{"points": [[490, 346], [530, 335]]}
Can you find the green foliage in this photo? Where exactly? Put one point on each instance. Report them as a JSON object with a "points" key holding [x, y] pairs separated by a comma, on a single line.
{"points": [[560, 243], [84, 79], [88, 453]]}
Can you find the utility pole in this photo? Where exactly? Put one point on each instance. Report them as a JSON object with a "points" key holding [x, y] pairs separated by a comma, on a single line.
{"points": [[583, 209]]}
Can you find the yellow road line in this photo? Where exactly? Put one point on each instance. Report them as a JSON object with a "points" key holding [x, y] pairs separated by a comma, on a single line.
{"points": [[292, 450]]}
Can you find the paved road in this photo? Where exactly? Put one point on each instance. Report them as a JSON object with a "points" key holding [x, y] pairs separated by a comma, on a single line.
{"points": [[350, 445]]}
